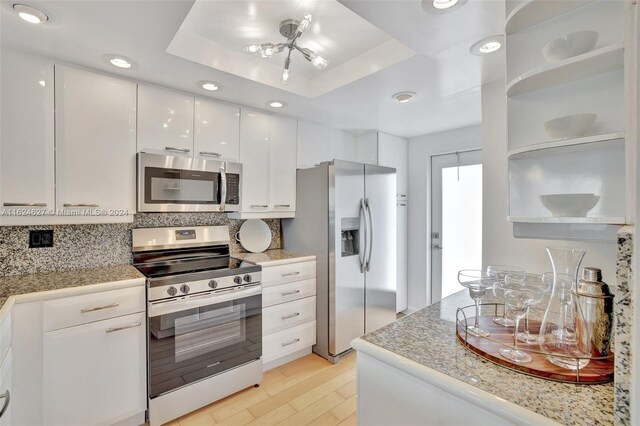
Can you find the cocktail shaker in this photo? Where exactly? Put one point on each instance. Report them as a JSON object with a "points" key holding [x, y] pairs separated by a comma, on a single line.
{"points": [[596, 303]]}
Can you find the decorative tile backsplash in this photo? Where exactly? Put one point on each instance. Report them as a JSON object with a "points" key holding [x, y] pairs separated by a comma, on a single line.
{"points": [[88, 246]]}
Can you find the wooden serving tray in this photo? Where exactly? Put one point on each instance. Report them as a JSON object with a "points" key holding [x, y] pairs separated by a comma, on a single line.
{"points": [[597, 371]]}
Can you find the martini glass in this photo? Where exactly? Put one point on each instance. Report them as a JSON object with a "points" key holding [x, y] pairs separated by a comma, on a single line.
{"points": [[519, 295], [499, 272], [478, 282], [547, 281]]}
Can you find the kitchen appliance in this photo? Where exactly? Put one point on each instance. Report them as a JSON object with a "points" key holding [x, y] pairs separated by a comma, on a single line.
{"points": [[596, 302], [182, 184], [204, 312], [346, 216]]}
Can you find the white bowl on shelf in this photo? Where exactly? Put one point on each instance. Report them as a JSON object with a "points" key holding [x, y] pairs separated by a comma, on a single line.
{"points": [[569, 45], [570, 126], [569, 205]]}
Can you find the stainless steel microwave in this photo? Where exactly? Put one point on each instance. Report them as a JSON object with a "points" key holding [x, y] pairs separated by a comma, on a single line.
{"points": [[180, 184]]}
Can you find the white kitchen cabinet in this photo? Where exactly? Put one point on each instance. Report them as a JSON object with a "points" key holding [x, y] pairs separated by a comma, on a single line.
{"points": [[402, 255], [217, 131], [255, 156], [6, 389], [95, 373], [95, 141], [283, 164], [392, 152], [165, 121], [368, 148], [342, 145], [313, 144], [27, 150]]}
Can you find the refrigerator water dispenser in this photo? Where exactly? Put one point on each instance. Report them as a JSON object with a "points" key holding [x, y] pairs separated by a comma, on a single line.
{"points": [[350, 236]]}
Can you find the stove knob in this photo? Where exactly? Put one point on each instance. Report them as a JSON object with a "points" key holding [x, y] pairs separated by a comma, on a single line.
{"points": [[213, 283], [237, 280], [184, 288], [247, 278], [172, 291]]}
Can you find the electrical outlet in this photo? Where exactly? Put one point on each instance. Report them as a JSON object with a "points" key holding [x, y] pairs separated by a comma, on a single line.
{"points": [[42, 238]]}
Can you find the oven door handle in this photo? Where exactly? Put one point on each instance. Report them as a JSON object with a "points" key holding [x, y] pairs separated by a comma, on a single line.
{"points": [[196, 301]]}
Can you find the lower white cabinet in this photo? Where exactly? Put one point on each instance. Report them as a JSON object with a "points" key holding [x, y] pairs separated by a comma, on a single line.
{"points": [[6, 390], [95, 373]]}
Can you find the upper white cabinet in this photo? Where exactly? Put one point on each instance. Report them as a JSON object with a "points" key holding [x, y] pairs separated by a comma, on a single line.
{"points": [[27, 149], [283, 164], [342, 145], [368, 148], [255, 156], [392, 152], [217, 131], [95, 141], [313, 144], [165, 121]]}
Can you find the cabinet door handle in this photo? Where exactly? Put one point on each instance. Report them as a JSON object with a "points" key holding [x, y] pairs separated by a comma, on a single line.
{"points": [[402, 195], [171, 148], [80, 205], [291, 342], [289, 293], [295, 314], [123, 327], [99, 308], [259, 206], [290, 274], [212, 154], [7, 397], [283, 205], [24, 204]]}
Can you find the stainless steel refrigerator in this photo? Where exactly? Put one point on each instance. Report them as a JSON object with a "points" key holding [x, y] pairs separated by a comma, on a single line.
{"points": [[346, 216]]}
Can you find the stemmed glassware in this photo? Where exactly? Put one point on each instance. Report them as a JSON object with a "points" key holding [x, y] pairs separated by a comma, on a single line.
{"points": [[547, 281], [499, 272], [478, 282], [519, 294]]}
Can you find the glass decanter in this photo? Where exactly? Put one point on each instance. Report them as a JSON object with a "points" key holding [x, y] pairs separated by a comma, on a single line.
{"points": [[566, 344]]}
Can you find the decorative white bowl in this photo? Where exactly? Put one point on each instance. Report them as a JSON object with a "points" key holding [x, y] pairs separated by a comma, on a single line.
{"points": [[570, 126], [569, 45], [569, 205]]}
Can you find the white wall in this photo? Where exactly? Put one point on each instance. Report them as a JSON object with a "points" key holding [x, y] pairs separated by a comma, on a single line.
{"points": [[499, 245], [420, 151]]}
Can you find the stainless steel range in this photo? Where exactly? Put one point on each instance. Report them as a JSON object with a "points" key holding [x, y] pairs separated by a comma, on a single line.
{"points": [[204, 318]]}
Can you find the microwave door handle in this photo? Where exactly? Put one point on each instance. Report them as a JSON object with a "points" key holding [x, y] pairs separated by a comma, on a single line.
{"points": [[223, 186]]}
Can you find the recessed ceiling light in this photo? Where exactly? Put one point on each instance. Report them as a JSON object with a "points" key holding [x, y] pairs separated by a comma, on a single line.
{"points": [[209, 85], [404, 97], [119, 61], [441, 6], [30, 14], [277, 104], [488, 45]]}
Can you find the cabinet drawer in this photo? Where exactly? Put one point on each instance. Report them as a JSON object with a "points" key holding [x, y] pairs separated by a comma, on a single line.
{"points": [[288, 341], [70, 311], [288, 292], [288, 273], [287, 315]]}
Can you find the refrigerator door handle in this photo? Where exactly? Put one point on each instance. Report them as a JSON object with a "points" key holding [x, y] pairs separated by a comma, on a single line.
{"points": [[370, 229], [363, 249]]}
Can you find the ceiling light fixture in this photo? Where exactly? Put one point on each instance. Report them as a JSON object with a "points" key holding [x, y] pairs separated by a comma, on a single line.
{"points": [[437, 7], [30, 14], [277, 104], [404, 97], [292, 30], [119, 61], [209, 85], [488, 45]]}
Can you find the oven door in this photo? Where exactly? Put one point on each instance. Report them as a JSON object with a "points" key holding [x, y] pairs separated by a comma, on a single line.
{"points": [[195, 337]]}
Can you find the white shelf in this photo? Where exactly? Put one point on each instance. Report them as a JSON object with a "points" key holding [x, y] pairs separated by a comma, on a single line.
{"points": [[559, 143], [548, 219], [599, 61], [533, 12]]}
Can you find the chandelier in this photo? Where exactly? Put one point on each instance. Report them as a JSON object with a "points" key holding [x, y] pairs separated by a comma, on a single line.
{"points": [[291, 29]]}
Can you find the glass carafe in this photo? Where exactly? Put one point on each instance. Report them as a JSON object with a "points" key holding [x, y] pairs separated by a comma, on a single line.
{"points": [[567, 342]]}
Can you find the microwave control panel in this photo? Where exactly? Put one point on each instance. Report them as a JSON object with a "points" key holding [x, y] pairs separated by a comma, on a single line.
{"points": [[233, 188]]}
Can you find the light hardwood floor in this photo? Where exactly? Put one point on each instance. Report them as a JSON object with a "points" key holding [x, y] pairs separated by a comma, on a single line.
{"points": [[308, 391]]}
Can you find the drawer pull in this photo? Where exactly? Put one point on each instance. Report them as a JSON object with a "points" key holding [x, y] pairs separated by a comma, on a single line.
{"points": [[211, 154], [214, 364], [80, 205], [290, 274], [99, 308], [284, 317], [7, 397], [24, 204], [124, 327], [282, 205], [290, 343], [259, 206], [171, 148], [289, 293]]}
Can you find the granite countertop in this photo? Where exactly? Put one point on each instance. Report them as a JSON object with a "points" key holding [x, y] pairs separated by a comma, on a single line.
{"points": [[427, 337], [16, 285], [274, 257]]}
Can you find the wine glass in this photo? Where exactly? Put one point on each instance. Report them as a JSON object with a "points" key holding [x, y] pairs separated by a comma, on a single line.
{"points": [[519, 295], [527, 280], [478, 282], [499, 272]]}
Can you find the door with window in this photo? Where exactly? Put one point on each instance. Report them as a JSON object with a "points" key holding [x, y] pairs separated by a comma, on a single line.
{"points": [[456, 219]]}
